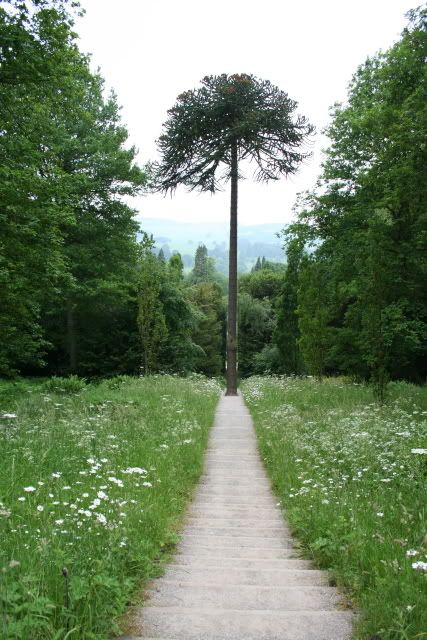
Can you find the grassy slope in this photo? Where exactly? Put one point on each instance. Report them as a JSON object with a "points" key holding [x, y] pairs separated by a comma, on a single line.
{"points": [[94, 482], [353, 491]]}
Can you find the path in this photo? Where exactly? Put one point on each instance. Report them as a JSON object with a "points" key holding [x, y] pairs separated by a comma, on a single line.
{"points": [[236, 576]]}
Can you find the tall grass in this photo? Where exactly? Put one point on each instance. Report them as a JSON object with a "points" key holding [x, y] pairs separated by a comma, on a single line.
{"points": [[93, 480], [351, 476]]}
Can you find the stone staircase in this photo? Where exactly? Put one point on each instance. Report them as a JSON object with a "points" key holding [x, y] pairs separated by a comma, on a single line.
{"points": [[236, 575]]}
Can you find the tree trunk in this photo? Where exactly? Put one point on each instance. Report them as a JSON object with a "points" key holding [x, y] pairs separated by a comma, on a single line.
{"points": [[232, 283], [71, 337]]}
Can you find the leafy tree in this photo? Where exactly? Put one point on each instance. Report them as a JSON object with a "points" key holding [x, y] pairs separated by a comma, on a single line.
{"points": [[67, 248], [151, 316], [37, 68], [313, 316], [368, 216], [256, 325], [287, 333], [262, 283], [228, 119], [208, 333], [178, 352], [200, 272]]}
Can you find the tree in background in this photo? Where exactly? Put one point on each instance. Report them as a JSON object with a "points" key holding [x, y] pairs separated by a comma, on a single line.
{"points": [[313, 316], [200, 271], [179, 351], [287, 333], [207, 298], [151, 316], [228, 119]]}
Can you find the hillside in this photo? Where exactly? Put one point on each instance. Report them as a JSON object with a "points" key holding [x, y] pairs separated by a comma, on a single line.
{"points": [[255, 240]]}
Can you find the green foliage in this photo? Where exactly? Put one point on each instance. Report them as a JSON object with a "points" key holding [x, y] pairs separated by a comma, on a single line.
{"points": [[350, 475], [287, 334], [67, 248], [105, 476], [209, 332], [151, 315], [365, 225], [205, 123], [313, 317], [256, 325], [72, 384]]}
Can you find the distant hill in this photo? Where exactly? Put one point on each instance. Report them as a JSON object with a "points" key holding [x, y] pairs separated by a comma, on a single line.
{"points": [[254, 240]]}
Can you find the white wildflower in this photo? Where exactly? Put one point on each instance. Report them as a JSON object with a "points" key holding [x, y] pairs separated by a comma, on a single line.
{"points": [[419, 566], [40, 507], [29, 489], [421, 452], [101, 518]]}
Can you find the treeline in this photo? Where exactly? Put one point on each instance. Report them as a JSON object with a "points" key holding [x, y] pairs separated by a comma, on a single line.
{"points": [[68, 250], [80, 294], [353, 298]]}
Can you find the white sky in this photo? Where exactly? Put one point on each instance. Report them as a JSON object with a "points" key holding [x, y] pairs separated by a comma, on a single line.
{"points": [[151, 51]]}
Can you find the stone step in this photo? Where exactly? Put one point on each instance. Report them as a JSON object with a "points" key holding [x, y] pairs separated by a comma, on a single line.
{"points": [[228, 624], [260, 514], [238, 541], [233, 491], [247, 476], [187, 549], [173, 594], [259, 532], [254, 523], [236, 576], [241, 563], [260, 502]]}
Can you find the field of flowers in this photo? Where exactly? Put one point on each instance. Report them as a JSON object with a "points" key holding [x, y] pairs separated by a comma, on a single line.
{"points": [[93, 481], [351, 477]]}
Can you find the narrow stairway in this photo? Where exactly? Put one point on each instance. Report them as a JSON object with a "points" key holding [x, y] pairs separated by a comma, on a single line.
{"points": [[236, 576]]}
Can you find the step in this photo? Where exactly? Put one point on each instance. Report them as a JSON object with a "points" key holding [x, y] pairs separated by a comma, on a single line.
{"points": [[238, 541], [260, 502], [259, 532], [173, 594], [227, 624], [234, 490], [247, 523], [260, 514], [240, 563], [188, 550], [236, 576]]}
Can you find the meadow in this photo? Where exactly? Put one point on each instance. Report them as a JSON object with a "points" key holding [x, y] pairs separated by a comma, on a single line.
{"points": [[351, 476], [94, 479]]}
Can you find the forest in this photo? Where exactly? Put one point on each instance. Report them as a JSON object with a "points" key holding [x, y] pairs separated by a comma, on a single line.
{"points": [[82, 294]]}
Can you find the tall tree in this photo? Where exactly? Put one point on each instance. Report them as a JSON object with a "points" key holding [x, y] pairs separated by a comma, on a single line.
{"points": [[211, 129], [200, 272], [151, 317]]}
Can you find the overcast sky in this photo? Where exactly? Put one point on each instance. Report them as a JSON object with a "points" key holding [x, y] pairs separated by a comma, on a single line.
{"points": [[150, 52]]}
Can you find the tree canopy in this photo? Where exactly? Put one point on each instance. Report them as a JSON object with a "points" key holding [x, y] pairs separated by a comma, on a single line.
{"points": [[205, 123]]}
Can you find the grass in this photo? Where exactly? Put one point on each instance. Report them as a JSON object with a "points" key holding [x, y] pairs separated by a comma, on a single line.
{"points": [[353, 490], [93, 482]]}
